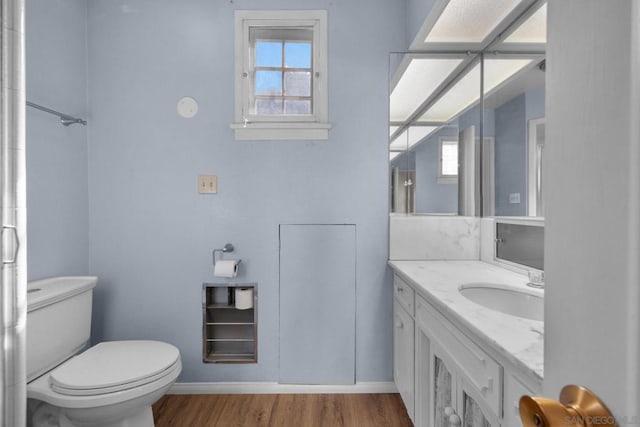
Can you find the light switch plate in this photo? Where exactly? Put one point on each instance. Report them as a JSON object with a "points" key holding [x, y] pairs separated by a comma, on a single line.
{"points": [[207, 184], [514, 198]]}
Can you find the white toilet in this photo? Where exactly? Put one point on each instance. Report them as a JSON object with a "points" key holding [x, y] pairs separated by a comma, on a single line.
{"points": [[112, 384]]}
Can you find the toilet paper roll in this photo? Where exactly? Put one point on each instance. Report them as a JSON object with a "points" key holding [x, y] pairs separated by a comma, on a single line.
{"points": [[244, 298], [226, 268]]}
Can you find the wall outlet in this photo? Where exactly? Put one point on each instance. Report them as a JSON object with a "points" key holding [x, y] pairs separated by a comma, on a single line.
{"points": [[207, 184], [514, 198]]}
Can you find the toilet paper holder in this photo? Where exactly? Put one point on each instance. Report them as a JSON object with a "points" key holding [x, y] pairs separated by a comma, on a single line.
{"points": [[226, 248]]}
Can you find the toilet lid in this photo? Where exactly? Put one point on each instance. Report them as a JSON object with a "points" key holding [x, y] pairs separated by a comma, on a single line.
{"points": [[114, 366]]}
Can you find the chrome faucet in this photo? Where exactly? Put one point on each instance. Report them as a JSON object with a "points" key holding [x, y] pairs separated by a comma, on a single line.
{"points": [[536, 279]]}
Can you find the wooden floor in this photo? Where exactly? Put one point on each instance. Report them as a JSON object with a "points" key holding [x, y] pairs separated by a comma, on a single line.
{"points": [[281, 410]]}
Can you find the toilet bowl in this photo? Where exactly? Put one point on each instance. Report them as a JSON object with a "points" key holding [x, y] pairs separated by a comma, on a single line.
{"points": [[112, 384]]}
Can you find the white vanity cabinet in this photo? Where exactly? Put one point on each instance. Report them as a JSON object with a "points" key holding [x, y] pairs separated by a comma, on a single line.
{"points": [[464, 384], [403, 343], [446, 379], [514, 389]]}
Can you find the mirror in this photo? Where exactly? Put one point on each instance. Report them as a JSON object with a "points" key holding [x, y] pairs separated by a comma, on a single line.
{"points": [[438, 166], [437, 114], [433, 100], [514, 127]]}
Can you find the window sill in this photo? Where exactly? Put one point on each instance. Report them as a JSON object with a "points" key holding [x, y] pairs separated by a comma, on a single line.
{"points": [[447, 180], [280, 131]]}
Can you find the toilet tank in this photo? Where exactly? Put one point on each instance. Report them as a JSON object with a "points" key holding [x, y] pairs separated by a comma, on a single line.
{"points": [[58, 320]]}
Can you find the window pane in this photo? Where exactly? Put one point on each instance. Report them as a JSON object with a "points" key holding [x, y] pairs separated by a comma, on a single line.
{"points": [[268, 54], [450, 158], [297, 107], [268, 83], [268, 106], [298, 55], [297, 83]]}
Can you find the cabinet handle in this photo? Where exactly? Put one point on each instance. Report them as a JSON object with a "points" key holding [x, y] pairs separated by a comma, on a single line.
{"points": [[400, 289], [399, 325], [488, 387], [454, 420]]}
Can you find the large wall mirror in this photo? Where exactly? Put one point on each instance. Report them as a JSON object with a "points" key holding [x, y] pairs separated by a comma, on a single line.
{"points": [[514, 123], [433, 103], [467, 127]]}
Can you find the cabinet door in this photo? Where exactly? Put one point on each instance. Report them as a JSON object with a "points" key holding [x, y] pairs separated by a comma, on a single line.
{"points": [[422, 380], [513, 391], [472, 409], [403, 368], [317, 304], [443, 386]]}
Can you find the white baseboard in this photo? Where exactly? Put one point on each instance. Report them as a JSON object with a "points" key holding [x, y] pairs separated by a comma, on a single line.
{"points": [[275, 388]]}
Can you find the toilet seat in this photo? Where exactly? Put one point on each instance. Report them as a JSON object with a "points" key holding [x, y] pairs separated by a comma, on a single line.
{"points": [[95, 394], [113, 366]]}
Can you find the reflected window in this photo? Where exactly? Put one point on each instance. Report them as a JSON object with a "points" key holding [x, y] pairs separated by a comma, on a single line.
{"points": [[448, 161]]}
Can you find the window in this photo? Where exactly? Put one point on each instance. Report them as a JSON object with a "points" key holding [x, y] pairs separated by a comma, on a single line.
{"points": [[281, 75], [448, 161]]}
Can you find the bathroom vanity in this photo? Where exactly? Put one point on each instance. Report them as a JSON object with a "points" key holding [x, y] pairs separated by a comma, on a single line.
{"points": [[456, 361]]}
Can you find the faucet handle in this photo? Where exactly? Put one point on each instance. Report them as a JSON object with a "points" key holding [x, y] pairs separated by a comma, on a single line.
{"points": [[536, 279], [536, 276]]}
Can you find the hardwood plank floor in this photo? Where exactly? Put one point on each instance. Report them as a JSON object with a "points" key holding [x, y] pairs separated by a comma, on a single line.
{"points": [[281, 410]]}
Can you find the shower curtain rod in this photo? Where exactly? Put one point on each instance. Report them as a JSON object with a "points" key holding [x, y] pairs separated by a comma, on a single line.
{"points": [[65, 119]]}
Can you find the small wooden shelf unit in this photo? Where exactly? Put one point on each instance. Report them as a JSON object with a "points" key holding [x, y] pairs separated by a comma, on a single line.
{"points": [[229, 335]]}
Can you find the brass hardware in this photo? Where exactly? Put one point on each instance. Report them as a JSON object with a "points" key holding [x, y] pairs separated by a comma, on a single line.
{"points": [[577, 406]]}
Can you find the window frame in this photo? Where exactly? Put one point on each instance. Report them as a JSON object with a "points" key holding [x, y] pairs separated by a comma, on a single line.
{"points": [[248, 126], [442, 178]]}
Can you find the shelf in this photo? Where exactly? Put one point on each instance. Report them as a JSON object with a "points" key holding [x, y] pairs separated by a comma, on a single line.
{"points": [[229, 323], [229, 316], [226, 306], [231, 358], [229, 334]]}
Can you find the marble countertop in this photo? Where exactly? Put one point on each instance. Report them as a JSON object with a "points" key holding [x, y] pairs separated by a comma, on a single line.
{"points": [[517, 339]]}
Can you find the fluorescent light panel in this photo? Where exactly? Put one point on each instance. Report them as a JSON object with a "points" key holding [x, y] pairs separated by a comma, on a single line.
{"points": [[393, 155], [420, 79], [466, 91], [533, 30], [469, 21], [415, 135], [461, 95]]}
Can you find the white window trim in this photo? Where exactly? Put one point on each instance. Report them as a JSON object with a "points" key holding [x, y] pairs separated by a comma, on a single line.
{"points": [[248, 127], [445, 179]]}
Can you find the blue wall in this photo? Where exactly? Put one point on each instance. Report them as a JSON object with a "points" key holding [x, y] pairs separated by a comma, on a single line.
{"points": [[511, 157], [417, 11], [151, 233], [431, 196], [57, 194], [511, 130]]}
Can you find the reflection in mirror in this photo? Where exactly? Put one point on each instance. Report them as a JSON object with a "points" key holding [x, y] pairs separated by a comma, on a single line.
{"points": [[402, 168], [514, 130], [433, 98]]}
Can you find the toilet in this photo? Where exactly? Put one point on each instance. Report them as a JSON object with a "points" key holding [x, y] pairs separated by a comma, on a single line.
{"points": [[112, 384]]}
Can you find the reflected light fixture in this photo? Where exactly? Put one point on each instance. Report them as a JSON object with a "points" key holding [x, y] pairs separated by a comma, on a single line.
{"points": [[421, 77], [466, 92], [411, 136]]}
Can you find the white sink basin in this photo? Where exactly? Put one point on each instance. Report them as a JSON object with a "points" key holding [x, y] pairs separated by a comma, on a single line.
{"points": [[506, 299]]}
